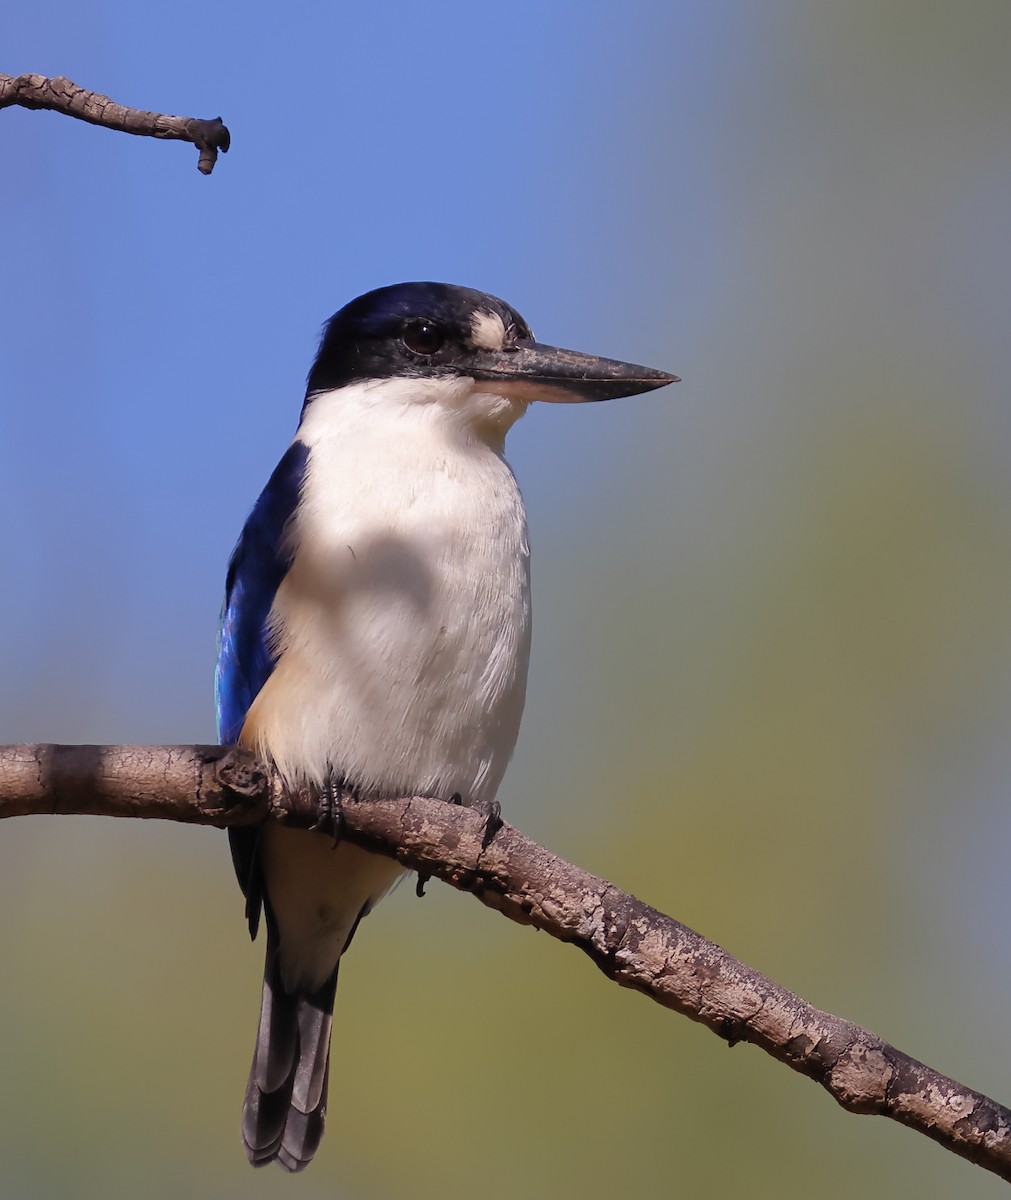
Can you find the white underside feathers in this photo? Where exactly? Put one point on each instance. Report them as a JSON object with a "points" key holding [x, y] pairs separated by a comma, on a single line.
{"points": [[402, 630]]}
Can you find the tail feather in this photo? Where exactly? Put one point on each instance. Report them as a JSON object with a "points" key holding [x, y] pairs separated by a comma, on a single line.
{"points": [[303, 1131], [285, 1105], [309, 1086]]}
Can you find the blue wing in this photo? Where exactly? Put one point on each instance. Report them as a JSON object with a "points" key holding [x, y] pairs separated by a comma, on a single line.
{"points": [[245, 656], [258, 564]]}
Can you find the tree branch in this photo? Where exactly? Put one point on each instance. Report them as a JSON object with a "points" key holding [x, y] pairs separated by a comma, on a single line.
{"points": [[64, 96], [632, 944]]}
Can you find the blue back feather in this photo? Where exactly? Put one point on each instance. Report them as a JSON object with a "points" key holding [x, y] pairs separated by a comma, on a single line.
{"points": [[257, 566]]}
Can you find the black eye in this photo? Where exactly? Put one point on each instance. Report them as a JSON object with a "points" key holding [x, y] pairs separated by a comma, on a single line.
{"points": [[423, 337]]}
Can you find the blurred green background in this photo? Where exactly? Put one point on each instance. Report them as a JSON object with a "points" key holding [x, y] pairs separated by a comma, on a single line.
{"points": [[771, 683]]}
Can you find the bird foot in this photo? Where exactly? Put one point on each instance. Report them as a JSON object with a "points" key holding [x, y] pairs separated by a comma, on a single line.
{"points": [[492, 812], [331, 818]]}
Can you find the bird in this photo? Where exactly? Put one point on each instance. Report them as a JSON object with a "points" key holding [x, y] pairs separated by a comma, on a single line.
{"points": [[375, 632]]}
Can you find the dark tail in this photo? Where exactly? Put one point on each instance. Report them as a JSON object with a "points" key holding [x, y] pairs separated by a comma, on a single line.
{"points": [[285, 1106]]}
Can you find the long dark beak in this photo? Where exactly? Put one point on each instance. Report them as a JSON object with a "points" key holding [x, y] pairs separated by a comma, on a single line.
{"points": [[530, 371]]}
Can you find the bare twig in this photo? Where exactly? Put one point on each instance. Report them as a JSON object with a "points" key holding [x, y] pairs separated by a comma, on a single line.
{"points": [[64, 96], [632, 944]]}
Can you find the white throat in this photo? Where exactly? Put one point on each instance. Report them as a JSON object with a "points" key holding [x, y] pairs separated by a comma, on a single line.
{"points": [[445, 407]]}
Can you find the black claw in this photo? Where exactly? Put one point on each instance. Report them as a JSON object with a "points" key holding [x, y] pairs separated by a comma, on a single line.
{"points": [[456, 798], [492, 822], [419, 887], [331, 811]]}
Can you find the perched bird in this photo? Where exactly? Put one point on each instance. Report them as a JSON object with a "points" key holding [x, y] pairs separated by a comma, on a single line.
{"points": [[376, 629]]}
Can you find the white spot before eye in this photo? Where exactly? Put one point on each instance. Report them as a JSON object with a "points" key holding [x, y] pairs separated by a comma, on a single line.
{"points": [[487, 330]]}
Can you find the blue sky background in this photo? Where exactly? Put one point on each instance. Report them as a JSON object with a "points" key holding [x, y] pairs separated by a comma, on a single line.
{"points": [[771, 684]]}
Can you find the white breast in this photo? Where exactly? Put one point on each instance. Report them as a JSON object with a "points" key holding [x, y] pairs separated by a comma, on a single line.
{"points": [[403, 625]]}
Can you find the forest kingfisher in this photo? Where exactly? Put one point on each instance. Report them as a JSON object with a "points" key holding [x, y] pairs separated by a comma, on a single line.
{"points": [[376, 630]]}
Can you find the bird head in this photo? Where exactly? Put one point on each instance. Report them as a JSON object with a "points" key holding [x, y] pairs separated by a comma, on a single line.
{"points": [[464, 350]]}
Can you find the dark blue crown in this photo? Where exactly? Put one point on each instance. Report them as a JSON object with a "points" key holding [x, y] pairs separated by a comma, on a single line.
{"points": [[365, 340]]}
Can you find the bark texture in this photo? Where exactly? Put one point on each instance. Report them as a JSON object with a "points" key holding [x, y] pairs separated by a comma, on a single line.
{"points": [[633, 944], [64, 96]]}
